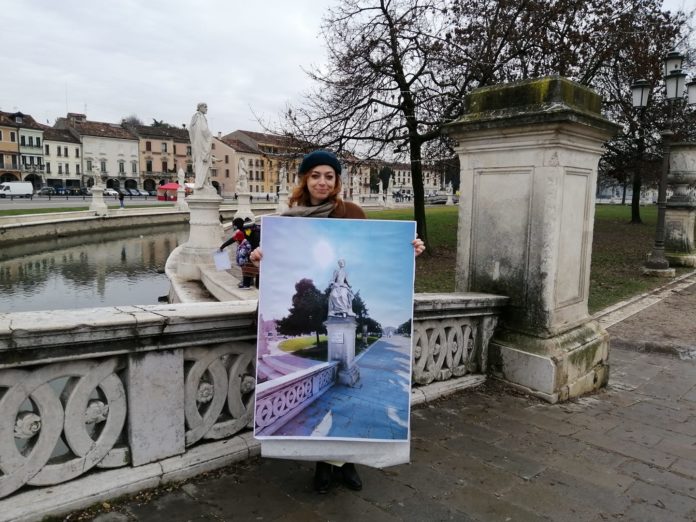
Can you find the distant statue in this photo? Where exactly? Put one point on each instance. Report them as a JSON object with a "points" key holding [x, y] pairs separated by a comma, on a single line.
{"points": [[96, 175], [341, 295], [181, 177], [201, 146], [242, 177], [448, 188], [283, 179]]}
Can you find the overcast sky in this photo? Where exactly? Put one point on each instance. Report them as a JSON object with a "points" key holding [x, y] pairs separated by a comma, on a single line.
{"points": [[158, 58]]}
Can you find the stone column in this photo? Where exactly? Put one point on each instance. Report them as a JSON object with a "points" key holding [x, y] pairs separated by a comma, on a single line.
{"points": [[529, 153], [205, 234], [341, 334], [680, 218]]}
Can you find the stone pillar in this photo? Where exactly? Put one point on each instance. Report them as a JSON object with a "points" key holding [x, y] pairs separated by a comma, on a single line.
{"points": [[205, 234], [98, 206], [282, 205], [341, 334], [529, 153], [244, 206], [680, 218]]}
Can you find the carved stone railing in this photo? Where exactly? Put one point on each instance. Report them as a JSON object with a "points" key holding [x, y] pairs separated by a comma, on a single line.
{"points": [[280, 400], [149, 390]]}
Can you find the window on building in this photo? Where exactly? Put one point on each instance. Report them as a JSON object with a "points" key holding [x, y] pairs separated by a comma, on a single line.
{"points": [[227, 173], [148, 165], [48, 168], [227, 159], [174, 149], [67, 168], [164, 147], [103, 165], [121, 167], [77, 170], [65, 151], [89, 165], [251, 163], [47, 149], [0, 135], [22, 141], [213, 172], [77, 152], [165, 166], [31, 141], [134, 167], [189, 168], [13, 137], [60, 168], [213, 146], [148, 146], [58, 151], [18, 119], [38, 141], [188, 150]]}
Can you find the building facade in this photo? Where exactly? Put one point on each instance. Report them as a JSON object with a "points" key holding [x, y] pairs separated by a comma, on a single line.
{"points": [[109, 150], [162, 151], [9, 149], [63, 159]]}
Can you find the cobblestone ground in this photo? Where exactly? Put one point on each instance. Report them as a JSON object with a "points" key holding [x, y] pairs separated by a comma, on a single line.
{"points": [[627, 453]]}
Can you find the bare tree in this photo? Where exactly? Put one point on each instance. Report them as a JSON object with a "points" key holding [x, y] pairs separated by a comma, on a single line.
{"points": [[399, 70]]}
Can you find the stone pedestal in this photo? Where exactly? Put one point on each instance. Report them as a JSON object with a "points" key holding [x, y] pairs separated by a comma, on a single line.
{"points": [[282, 202], [528, 153], [98, 205], [181, 199], [244, 206], [680, 215], [205, 234], [449, 200], [341, 341]]}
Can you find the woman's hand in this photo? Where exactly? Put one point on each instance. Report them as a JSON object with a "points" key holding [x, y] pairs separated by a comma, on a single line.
{"points": [[256, 256], [418, 246]]}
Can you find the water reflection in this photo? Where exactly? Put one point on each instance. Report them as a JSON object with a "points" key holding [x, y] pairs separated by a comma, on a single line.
{"points": [[109, 269]]}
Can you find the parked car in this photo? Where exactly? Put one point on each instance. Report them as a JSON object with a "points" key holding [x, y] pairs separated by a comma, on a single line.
{"points": [[46, 191], [19, 189], [84, 191], [132, 192], [61, 191], [110, 192], [74, 191], [144, 192], [152, 192]]}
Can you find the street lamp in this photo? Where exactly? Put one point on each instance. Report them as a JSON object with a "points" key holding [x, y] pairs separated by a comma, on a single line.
{"points": [[675, 82]]}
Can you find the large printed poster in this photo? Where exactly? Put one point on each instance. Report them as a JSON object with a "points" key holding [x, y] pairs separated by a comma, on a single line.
{"points": [[334, 334]]}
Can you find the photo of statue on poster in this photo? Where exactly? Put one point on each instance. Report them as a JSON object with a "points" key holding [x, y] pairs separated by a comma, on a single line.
{"points": [[334, 333]]}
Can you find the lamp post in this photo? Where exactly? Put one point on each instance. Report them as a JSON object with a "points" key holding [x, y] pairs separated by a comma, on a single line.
{"points": [[675, 80]]}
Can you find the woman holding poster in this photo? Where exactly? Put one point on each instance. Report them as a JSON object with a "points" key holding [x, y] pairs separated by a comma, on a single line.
{"points": [[317, 195]]}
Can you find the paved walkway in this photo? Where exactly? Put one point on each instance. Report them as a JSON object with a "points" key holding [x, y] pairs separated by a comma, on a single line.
{"points": [[377, 408], [627, 453]]}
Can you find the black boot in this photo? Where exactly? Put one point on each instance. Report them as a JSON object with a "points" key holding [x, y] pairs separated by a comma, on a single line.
{"points": [[322, 477], [350, 477]]}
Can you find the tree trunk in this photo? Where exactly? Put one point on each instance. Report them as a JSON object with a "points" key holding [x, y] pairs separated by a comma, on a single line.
{"points": [[635, 200]]}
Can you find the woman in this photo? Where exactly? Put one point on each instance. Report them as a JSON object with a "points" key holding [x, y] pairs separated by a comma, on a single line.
{"points": [[317, 195]]}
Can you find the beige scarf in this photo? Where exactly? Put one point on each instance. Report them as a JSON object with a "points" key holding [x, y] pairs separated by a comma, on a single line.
{"points": [[322, 210]]}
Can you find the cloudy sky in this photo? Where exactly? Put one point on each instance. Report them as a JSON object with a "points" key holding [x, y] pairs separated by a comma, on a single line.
{"points": [[158, 58], [378, 254]]}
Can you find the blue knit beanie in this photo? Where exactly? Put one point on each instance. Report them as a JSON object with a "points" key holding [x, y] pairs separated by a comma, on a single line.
{"points": [[320, 157]]}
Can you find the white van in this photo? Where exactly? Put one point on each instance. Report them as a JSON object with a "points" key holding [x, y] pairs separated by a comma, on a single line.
{"points": [[17, 189]]}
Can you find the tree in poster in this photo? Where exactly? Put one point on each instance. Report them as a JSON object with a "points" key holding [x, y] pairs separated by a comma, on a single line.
{"points": [[308, 311]]}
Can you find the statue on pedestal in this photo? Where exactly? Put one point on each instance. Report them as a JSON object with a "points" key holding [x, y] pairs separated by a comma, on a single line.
{"points": [[242, 178], [283, 179], [201, 146], [341, 296]]}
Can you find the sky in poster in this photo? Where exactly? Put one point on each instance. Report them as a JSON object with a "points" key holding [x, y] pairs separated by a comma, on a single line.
{"points": [[379, 262]]}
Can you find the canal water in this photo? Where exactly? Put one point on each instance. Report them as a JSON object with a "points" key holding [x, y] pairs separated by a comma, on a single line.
{"points": [[101, 269]]}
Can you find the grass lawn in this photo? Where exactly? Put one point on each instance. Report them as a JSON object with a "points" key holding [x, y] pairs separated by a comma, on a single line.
{"points": [[618, 251], [306, 346]]}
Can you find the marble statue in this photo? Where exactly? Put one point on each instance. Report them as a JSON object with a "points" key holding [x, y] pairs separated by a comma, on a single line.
{"points": [[242, 178], [180, 177], [201, 146], [448, 188], [341, 295]]}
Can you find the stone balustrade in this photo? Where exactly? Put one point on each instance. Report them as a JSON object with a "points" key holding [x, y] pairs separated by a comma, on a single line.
{"points": [[145, 388]]}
